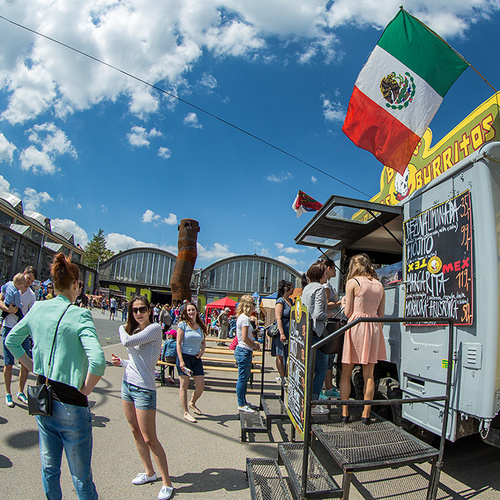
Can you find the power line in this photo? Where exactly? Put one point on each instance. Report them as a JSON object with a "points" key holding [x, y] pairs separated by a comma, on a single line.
{"points": [[208, 113]]}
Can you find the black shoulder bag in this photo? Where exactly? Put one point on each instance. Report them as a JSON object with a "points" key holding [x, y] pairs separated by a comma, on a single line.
{"points": [[40, 395]]}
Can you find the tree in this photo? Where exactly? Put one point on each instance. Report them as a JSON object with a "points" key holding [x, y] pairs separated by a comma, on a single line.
{"points": [[96, 250]]}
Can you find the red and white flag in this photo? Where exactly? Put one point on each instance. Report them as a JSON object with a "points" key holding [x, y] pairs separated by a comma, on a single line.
{"points": [[399, 90], [304, 203]]}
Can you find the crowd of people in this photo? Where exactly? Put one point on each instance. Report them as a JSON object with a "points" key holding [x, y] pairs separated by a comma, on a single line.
{"points": [[177, 334]]}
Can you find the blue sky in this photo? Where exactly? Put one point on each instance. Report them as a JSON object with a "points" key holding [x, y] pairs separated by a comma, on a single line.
{"points": [[92, 148]]}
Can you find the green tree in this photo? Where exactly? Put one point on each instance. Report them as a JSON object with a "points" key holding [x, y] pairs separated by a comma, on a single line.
{"points": [[96, 250]]}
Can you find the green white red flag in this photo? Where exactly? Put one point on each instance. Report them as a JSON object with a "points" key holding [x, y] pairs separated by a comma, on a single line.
{"points": [[399, 90]]}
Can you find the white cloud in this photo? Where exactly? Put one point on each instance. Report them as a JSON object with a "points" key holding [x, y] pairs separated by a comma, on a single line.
{"points": [[217, 252], [49, 142], [208, 81], [161, 42], [287, 260], [149, 216], [139, 136], [117, 242], [313, 179], [279, 178], [192, 121], [171, 220], [104, 208], [289, 250], [33, 199], [164, 153], [4, 185], [333, 111], [78, 206], [6, 149], [80, 235]]}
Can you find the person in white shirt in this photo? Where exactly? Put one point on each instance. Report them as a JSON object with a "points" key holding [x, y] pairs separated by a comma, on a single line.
{"points": [[142, 338], [27, 300]]}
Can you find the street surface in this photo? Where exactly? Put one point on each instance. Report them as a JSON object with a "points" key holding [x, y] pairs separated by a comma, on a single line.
{"points": [[207, 459]]}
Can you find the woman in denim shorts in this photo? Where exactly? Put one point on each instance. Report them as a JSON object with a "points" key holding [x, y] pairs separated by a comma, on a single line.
{"points": [[191, 333], [142, 338]]}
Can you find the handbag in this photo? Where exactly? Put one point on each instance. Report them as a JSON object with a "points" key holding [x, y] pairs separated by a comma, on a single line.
{"points": [[272, 330], [233, 344], [40, 399], [40, 395], [335, 345]]}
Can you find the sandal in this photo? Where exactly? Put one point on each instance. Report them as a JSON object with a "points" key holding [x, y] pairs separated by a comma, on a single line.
{"points": [[195, 409], [189, 418]]}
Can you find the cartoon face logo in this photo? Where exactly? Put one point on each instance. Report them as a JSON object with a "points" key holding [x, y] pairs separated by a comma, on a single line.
{"points": [[298, 309], [398, 90], [401, 185], [434, 265]]}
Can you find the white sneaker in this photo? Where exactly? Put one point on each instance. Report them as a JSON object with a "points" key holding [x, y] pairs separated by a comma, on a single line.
{"points": [[320, 410], [246, 409], [8, 401], [143, 478], [165, 493]]}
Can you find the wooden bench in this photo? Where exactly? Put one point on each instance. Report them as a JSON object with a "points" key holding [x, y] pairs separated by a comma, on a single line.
{"points": [[219, 359]]}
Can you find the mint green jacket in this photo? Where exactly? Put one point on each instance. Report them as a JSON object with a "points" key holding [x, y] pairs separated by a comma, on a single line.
{"points": [[77, 349]]}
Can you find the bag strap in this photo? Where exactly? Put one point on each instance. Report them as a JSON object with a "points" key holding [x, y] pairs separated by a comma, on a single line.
{"points": [[49, 366]]}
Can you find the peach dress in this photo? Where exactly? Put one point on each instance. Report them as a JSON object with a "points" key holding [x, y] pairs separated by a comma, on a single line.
{"points": [[364, 343]]}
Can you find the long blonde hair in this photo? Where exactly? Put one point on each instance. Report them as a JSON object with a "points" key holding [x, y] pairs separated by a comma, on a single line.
{"points": [[245, 305], [361, 265]]}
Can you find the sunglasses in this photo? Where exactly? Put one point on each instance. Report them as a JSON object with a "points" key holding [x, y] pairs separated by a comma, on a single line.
{"points": [[141, 310]]}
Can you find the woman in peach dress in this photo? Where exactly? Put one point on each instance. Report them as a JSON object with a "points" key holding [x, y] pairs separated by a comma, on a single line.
{"points": [[364, 343]]}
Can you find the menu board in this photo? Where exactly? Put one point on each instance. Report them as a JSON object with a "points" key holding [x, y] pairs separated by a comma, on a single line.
{"points": [[439, 262], [297, 362]]}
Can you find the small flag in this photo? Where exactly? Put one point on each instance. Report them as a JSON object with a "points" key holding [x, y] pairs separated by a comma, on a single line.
{"points": [[399, 90], [304, 203]]}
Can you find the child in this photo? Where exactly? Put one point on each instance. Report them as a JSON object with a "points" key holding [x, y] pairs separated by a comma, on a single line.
{"points": [[12, 295], [169, 352]]}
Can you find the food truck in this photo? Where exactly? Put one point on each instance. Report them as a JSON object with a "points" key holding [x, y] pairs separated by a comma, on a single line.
{"points": [[434, 235]]}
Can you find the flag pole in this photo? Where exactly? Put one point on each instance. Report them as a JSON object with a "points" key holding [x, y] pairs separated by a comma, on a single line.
{"points": [[486, 81], [458, 53]]}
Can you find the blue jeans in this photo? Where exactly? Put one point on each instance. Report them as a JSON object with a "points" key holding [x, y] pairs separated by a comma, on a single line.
{"points": [[244, 360], [69, 428], [320, 368]]}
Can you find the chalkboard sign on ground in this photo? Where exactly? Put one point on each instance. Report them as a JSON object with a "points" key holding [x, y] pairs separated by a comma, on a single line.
{"points": [[298, 349], [439, 262]]}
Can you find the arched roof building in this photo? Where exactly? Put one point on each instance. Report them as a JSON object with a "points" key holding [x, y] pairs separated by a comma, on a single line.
{"points": [[148, 271], [246, 274]]}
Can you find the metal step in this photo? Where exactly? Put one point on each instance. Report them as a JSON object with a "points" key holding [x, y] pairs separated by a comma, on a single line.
{"points": [[274, 409], [319, 482], [251, 422], [266, 481]]}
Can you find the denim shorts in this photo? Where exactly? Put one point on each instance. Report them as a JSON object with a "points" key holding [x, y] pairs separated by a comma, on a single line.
{"points": [[193, 363], [8, 357], [143, 399]]}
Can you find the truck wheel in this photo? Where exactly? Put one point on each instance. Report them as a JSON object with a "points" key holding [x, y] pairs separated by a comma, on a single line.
{"points": [[388, 388]]}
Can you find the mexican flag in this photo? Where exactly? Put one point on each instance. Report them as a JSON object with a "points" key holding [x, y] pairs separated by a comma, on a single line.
{"points": [[399, 90]]}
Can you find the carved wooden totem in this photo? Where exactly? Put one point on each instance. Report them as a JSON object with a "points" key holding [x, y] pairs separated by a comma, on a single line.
{"points": [[186, 258]]}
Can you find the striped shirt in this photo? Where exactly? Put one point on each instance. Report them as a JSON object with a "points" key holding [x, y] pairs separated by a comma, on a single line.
{"points": [[143, 349]]}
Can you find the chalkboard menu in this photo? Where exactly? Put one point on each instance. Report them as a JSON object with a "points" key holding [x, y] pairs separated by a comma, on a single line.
{"points": [[298, 348], [439, 262]]}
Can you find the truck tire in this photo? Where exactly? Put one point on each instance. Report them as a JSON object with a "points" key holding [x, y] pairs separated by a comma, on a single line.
{"points": [[388, 388]]}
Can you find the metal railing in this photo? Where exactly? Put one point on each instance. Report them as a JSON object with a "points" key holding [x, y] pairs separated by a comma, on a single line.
{"points": [[434, 479]]}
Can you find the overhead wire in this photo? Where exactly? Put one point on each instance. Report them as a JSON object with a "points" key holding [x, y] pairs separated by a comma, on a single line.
{"points": [[184, 101]]}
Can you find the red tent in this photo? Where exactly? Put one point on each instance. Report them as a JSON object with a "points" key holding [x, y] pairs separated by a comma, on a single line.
{"points": [[222, 303]]}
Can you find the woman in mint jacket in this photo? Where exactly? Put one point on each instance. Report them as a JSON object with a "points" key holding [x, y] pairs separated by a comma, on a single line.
{"points": [[77, 364]]}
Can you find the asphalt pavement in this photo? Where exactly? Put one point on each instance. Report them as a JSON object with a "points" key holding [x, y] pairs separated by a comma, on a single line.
{"points": [[206, 459]]}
